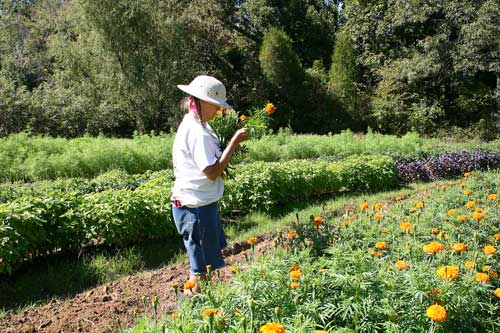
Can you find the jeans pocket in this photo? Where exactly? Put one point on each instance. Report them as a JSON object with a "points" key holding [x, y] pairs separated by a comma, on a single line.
{"points": [[184, 221]]}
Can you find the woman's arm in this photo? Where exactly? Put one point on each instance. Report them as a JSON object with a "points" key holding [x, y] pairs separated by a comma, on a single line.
{"points": [[215, 170]]}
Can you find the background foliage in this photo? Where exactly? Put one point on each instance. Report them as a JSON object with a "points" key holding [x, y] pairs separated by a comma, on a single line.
{"points": [[84, 66]]}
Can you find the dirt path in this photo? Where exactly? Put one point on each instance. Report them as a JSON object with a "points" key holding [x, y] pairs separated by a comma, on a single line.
{"points": [[100, 309]]}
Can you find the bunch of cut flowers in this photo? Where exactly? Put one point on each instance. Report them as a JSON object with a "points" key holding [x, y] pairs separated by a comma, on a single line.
{"points": [[227, 122]]}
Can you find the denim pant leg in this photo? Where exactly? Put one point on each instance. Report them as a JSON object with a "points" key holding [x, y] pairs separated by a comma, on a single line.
{"points": [[202, 234]]}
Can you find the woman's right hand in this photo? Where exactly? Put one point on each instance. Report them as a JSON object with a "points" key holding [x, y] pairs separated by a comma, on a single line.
{"points": [[241, 135]]}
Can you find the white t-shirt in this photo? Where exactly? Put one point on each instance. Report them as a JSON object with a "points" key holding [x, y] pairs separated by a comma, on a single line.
{"points": [[195, 148]]}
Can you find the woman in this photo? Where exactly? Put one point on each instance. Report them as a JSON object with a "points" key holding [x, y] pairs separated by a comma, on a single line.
{"points": [[198, 165]]}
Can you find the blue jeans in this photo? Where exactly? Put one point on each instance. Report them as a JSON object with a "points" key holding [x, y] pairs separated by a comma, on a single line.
{"points": [[202, 234]]}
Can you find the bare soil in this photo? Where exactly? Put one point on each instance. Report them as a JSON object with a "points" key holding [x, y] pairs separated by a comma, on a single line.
{"points": [[121, 301]]}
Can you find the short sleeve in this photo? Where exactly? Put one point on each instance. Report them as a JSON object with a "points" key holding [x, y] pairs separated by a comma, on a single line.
{"points": [[205, 150]]}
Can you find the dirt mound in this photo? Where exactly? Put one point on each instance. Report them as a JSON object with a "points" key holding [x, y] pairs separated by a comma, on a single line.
{"points": [[119, 303]]}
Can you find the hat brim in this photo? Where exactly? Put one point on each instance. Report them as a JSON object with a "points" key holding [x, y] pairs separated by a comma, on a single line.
{"points": [[189, 90]]}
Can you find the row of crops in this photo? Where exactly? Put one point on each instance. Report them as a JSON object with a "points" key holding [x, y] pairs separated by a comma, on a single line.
{"points": [[426, 262], [28, 158], [117, 208]]}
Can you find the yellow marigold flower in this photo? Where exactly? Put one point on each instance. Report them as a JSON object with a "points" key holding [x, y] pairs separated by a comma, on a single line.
{"points": [[375, 253], [272, 328], [189, 285], [252, 240], [436, 312], [413, 210], [462, 185], [270, 108], [175, 315], [496, 236], [398, 198], [460, 247], [478, 216], [462, 218], [420, 204], [363, 206], [405, 226], [452, 211], [381, 245], [294, 285], [492, 196], [448, 272], [435, 230], [469, 264], [442, 187], [295, 268], [497, 292], [243, 117], [467, 192], [292, 235], [295, 275], [482, 277], [318, 221], [486, 269], [378, 205], [467, 174], [498, 206], [470, 204], [402, 265], [433, 248], [488, 249], [208, 312], [379, 216]]}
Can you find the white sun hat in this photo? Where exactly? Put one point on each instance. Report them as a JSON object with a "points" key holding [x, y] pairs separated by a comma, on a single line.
{"points": [[208, 89]]}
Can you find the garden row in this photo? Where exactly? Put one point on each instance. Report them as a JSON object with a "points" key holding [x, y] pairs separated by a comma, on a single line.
{"points": [[33, 225], [424, 263], [118, 209], [28, 158]]}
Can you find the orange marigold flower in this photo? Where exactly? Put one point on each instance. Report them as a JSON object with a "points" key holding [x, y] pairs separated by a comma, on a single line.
{"points": [[375, 253], [452, 211], [294, 285], [478, 216], [462, 218], [270, 108], [470, 204], [379, 216], [295, 268], [433, 248], [460, 247], [498, 206], [448, 272], [467, 174], [272, 328], [436, 312], [469, 264], [492, 196], [482, 277], [252, 240], [405, 226], [493, 274], [434, 292], [435, 230], [292, 235], [318, 221], [381, 245], [295, 275], [467, 192], [497, 292], [208, 312], [496, 236], [402, 265], [488, 249], [378, 205], [363, 206], [189, 285], [243, 117], [420, 204]]}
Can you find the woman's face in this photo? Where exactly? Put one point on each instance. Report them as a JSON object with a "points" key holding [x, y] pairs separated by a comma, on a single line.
{"points": [[209, 110]]}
